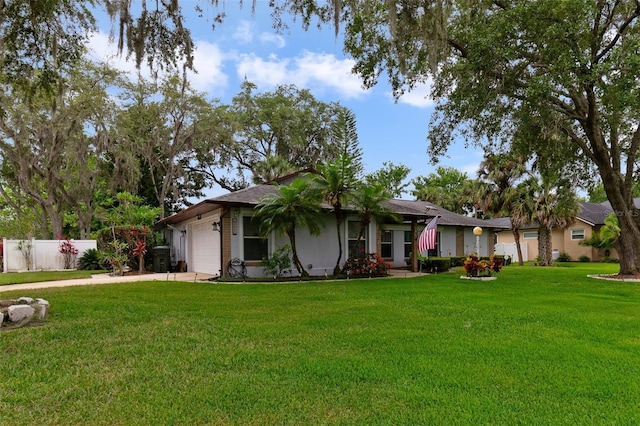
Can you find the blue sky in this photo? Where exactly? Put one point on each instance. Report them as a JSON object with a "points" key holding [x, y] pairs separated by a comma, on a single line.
{"points": [[246, 45]]}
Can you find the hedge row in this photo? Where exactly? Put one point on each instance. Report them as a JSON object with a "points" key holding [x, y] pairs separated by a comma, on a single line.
{"points": [[439, 264]]}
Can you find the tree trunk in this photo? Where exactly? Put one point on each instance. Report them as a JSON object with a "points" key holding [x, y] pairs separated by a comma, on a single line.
{"points": [[336, 269], [55, 219], [516, 238], [628, 244], [291, 233], [544, 246]]}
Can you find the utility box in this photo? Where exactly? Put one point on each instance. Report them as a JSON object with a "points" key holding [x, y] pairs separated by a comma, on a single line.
{"points": [[161, 259]]}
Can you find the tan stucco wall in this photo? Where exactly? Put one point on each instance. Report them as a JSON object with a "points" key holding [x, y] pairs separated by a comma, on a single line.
{"points": [[573, 247], [561, 241]]}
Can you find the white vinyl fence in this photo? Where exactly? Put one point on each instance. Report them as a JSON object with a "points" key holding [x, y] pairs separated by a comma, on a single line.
{"points": [[509, 249], [38, 255]]}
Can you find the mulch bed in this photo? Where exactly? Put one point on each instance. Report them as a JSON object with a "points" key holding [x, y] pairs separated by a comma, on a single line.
{"points": [[617, 277]]}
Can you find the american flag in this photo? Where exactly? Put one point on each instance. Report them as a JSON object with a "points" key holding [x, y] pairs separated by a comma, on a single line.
{"points": [[427, 239]]}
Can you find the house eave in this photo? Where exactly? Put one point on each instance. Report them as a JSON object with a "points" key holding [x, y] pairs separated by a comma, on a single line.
{"points": [[195, 210]]}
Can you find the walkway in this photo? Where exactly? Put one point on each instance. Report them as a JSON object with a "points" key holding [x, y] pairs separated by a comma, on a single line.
{"points": [[107, 279]]}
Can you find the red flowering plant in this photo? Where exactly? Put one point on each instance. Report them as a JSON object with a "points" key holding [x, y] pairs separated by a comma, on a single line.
{"points": [[139, 240], [476, 267], [369, 265], [69, 252]]}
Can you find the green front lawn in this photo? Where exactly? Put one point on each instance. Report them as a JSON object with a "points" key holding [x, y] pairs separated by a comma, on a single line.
{"points": [[42, 276], [537, 346]]}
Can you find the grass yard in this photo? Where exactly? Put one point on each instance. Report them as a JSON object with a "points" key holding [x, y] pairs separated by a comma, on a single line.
{"points": [[41, 276], [537, 346]]}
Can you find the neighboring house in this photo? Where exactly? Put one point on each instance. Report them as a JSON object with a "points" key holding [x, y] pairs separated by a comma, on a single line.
{"points": [[205, 237], [589, 221]]}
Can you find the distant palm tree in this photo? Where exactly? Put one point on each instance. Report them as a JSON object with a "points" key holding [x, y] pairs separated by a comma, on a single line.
{"points": [[271, 169], [501, 195], [291, 207], [520, 204], [368, 201], [552, 203], [337, 179]]}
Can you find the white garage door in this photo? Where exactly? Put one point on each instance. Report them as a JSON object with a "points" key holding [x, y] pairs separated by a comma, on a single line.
{"points": [[205, 249]]}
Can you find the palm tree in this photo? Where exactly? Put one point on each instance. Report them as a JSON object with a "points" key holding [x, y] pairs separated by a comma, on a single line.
{"points": [[291, 207], [368, 200], [607, 238], [271, 169], [337, 179], [555, 207], [500, 195], [520, 203], [552, 203]]}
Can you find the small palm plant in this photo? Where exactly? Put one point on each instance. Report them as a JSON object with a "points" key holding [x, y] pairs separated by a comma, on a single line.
{"points": [[90, 260], [291, 207]]}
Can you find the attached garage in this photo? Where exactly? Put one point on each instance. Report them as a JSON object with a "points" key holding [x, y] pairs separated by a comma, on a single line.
{"points": [[205, 248]]}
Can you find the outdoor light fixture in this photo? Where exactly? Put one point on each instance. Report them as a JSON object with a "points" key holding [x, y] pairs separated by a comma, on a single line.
{"points": [[477, 231], [216, 226], [234, 221]]}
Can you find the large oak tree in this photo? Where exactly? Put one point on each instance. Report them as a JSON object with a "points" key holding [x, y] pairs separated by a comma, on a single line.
{"points": [[570, 68]]}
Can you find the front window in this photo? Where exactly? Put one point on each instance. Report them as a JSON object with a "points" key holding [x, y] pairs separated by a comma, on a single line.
{"points": [[356, 247], [530, 235], [255, 247], [407, 243], [577, 234], [386, 244]]}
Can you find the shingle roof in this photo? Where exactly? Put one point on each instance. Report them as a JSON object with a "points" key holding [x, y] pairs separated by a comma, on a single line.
{"points": [[594, 213], [409, 209]]}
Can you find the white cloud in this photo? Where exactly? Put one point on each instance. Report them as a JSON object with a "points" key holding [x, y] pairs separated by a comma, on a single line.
{"points": [[270, 72], [468, 160], [208, 61], [316, 71], [102, 49], [244, 32], [273, 38], [471, 170], [322, 69], [419, 96]]}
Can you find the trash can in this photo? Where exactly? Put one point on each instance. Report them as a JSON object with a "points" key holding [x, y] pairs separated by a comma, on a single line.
{"points": [[161, 259]]}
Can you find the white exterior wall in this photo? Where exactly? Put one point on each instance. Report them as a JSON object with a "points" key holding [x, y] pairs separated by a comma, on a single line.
{"points": [[187, 244], [317, 253], [486, 242], [45, 254], [447, 241]]}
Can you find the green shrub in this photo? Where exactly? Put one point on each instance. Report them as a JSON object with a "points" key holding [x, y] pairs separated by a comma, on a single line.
{"points": [[457, 260], [278, 264], [584, 259], [564, 257], [436, 264], [91, 260], [610, 260], [371, 265]]}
